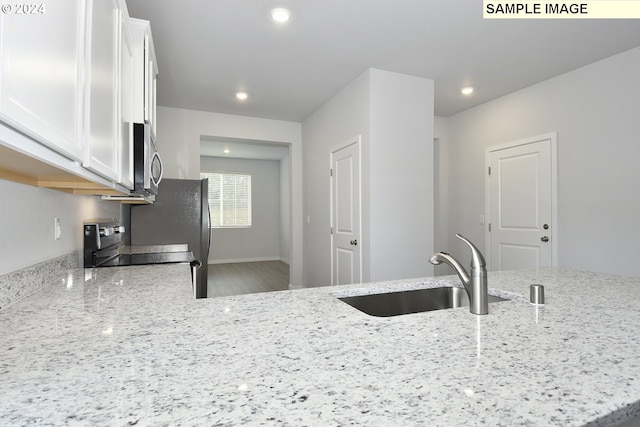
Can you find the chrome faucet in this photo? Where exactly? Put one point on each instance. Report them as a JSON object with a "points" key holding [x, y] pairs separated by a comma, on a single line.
{"points": [[475, 282]]}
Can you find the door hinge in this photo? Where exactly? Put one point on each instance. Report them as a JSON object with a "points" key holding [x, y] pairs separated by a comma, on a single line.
{"points": [[331, 172], [331, 230], [489, 170], [489, 227]]}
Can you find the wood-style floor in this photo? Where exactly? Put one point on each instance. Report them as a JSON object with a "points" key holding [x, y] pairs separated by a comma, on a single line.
{"points": [[246, 278]]}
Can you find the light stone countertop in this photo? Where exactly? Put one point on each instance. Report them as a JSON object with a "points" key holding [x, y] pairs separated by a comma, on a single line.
{"points": [[129, 346]]}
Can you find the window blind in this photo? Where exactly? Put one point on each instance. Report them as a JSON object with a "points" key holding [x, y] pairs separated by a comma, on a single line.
{"points": [[229, 199]]}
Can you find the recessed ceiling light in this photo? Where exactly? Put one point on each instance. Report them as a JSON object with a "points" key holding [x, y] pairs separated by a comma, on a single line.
{"points": [[226, 151], [242, 95], [467, 90], [280, 15]]}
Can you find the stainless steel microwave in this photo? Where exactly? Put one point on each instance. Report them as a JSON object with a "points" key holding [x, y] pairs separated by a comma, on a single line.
{"points": [[147, 164]]}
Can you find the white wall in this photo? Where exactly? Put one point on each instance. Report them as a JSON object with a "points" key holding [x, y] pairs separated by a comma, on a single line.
{"points": [[393, 113], [343, 117], [27, 214], [441, 191], [594, 110], [261, 241], [285, 210], [179, 134], [401, 176]]}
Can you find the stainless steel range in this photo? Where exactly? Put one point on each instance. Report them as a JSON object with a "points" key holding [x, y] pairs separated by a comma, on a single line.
{"points": [[103, 247]]}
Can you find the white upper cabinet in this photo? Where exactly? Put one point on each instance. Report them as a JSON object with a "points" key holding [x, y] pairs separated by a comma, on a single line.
{"points": [[101, 104], [41, 80], [74, 77], [145, 75], [125, 127], [150, 89]]}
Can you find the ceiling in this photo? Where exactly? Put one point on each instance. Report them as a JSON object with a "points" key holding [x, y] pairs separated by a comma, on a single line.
{"points": [[209, 49]]}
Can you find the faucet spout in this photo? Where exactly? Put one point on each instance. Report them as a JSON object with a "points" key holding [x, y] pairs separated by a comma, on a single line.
{"points": [[477, 259], [440, 257], [475, 281]]}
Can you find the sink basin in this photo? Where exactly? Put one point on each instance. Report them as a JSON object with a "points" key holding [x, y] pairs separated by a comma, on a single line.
{"points": [[417, 301]]}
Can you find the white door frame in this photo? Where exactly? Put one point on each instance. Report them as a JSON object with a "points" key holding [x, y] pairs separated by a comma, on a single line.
{"points": [[553, 138], [356, 140]]}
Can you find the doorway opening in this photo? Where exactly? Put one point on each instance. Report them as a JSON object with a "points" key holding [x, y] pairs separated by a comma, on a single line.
{"points": [[254, 256]]}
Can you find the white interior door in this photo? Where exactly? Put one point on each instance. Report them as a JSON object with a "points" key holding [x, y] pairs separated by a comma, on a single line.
{"points": [[345, 214], [521, 204]]}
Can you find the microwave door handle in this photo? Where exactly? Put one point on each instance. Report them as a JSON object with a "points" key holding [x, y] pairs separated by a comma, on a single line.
{"points": [[157, 156]]}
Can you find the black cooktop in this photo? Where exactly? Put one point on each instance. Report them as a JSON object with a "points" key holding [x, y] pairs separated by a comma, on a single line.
{"points": [[116, 255], [148, 258]]}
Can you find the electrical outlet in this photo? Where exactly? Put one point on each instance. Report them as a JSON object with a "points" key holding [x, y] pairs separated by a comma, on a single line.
{"points": [[57, 228]]}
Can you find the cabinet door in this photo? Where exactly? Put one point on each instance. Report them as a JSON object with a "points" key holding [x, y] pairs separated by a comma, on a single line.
{"points": [[150, 83], [125, 127], [40, 76], [145, 74], [101, 150]]}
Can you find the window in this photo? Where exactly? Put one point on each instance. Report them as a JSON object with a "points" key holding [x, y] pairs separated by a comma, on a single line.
{"points": [[229, 199]]}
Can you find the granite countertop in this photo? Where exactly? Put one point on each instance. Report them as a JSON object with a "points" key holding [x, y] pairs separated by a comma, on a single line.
{"points": [[129, 346]]}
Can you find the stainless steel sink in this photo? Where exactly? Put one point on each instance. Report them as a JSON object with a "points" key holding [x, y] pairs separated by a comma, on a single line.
{"points": [[417, 301]]}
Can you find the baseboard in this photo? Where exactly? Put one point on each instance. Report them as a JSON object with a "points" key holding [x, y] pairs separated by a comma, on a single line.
{"points": [[236, 260]]}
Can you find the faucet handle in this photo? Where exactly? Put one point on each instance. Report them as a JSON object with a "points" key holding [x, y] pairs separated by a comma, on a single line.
{"points": [[477, 260]]}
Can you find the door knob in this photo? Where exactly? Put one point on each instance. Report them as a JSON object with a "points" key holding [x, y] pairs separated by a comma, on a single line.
{"points": [[545, 238], [354, 242]]}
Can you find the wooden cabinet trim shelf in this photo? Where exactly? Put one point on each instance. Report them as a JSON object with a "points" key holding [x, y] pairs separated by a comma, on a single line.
{"points": [[25, 169]]}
